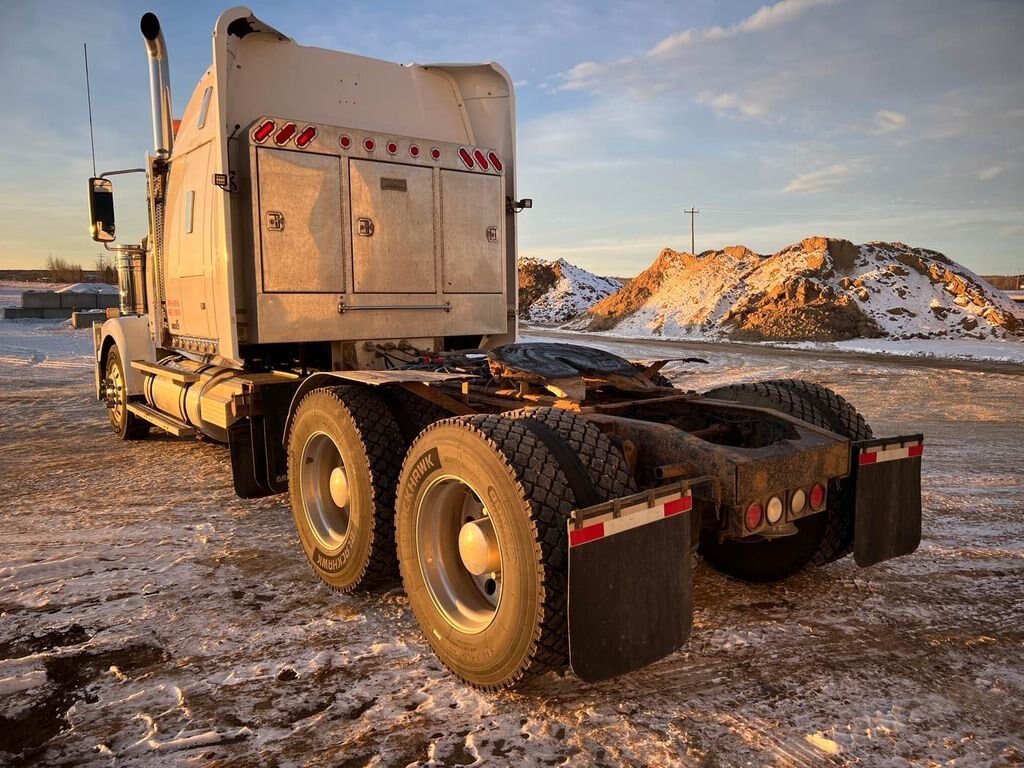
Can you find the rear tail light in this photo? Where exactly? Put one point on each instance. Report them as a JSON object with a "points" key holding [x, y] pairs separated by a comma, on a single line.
{"points": [[414, 150], [466, 157], [392, 148], [435, 153], [481, 159], [797, 501], [369, 145], [495, 161], [307, 135], [817, 497], [774, 511], [285, 133], [345, 142], [753, 516], [262, 133]]}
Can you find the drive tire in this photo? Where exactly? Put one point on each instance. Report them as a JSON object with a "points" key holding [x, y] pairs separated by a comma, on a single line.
{"points": [[348, 429], [766, 560], [126, 425], [604, 464], [498, 466], [835, 413]]}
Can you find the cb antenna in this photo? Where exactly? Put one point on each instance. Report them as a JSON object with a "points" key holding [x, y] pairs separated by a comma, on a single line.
{"points": [[88, 98]]}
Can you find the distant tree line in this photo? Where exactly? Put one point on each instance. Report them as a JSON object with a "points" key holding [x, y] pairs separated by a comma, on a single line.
{"points": [[63, 271]]}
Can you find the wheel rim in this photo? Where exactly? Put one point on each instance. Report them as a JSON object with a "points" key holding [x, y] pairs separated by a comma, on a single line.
{"points": [[455, 536], [114, 393], [326, 498]]}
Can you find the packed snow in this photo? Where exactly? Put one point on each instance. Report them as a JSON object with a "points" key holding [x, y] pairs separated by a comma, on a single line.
{"points": [[150, 617]]}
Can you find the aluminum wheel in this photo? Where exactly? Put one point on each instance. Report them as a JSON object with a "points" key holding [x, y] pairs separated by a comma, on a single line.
{"points": [[459, 553], [114, 392], [325, 490]]}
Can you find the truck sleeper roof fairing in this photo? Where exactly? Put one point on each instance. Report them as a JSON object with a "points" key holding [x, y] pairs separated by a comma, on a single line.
{"points": [[257, 70]]}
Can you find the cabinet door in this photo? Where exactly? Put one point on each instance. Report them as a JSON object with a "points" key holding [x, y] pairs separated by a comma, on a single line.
{"points": [[472, 214], [301, 222], [392, 228]]}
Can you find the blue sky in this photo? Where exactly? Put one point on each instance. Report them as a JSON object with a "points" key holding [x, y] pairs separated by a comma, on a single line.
{"points": [[866, 119]]}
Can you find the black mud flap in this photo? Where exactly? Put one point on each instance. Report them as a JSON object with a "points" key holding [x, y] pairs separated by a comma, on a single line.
{"points": [[259, 461], [887, 473], [630, 582]]}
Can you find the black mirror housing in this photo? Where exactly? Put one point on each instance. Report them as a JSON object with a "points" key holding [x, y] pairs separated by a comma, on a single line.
{"points": [[101, 210]]}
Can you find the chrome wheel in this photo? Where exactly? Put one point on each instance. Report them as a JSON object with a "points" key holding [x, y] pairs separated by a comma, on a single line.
{"points": [[323, 483], [459, 554], [114, 393]]}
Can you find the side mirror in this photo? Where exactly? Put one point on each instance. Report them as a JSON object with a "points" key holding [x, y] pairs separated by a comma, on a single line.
{"points": [[101, 210]]}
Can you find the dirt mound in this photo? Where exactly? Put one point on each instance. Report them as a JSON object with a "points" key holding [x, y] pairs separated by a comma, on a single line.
{"points": [[553, 292], [820, 289]]}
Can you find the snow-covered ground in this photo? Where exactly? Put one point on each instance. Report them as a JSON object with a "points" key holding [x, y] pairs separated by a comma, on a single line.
{"points": [[150, 617]]}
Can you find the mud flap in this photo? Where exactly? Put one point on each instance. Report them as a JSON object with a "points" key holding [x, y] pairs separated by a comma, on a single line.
{"points": [[887, 474], [630, 582], [259, 461]]}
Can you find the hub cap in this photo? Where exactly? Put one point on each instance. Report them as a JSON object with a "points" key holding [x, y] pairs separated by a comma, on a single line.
{"points": [[459, 554], [323, 484], [113, 394]]}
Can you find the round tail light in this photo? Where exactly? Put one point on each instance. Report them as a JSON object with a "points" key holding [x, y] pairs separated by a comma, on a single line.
{"points": [[369, 145], [798, 501], [817, 497], [435, 153], [392, 148], [774, 510], [345, 142], [754, 516], [414, 150]]}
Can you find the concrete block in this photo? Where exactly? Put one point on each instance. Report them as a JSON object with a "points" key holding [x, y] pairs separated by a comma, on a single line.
{"points": [[55, 314], [113, 312], [86, 319], [77, 300], [15, 313], [40, 300], [106, 300]]}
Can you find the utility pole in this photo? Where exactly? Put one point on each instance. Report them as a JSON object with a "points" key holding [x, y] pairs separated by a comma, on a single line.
{"points": [[693, 212]]}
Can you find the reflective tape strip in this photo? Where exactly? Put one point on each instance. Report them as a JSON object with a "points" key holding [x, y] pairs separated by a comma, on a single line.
{"points": [[892, 454], [631, 517]]}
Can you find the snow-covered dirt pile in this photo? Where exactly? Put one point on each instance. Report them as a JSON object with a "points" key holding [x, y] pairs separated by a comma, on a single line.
{"points": [[820, 289], [105, 288], [552, 292], [150, 617]]}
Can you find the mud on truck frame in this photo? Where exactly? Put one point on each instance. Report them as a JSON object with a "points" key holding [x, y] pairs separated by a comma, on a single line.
{"points": [[328, 285]]}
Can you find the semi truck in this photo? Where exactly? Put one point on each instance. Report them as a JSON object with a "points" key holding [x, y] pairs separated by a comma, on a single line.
{"points": [[328, 286]]}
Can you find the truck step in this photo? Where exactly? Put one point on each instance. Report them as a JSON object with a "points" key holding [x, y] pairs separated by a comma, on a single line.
{"points": [[162, 420], [166, 371]]}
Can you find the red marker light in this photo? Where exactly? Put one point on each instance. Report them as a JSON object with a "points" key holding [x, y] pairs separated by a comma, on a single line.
{"points": [[285, 133], [392, 148], [414, 150], [495, 162], [369, 144], [466, 157], [753, 516], [345, 142], [263, 132], [481, 159], [435, 153], [817, 497], [307, 135]]}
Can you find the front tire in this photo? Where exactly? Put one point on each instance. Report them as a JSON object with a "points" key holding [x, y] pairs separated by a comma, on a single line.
{"points": [[482, 546], [126, 425], [344, 453]]}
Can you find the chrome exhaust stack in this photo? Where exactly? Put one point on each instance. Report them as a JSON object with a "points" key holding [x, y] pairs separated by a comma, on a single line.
{"points": [[159, 85]]}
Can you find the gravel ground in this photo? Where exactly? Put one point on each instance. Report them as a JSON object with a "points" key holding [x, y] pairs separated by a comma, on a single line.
{"points": [[149, 617]]}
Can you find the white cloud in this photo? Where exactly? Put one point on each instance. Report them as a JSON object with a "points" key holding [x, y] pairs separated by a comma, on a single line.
{"points": [[818, 181], [887, 121], [766, 17], [990, 173]]}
